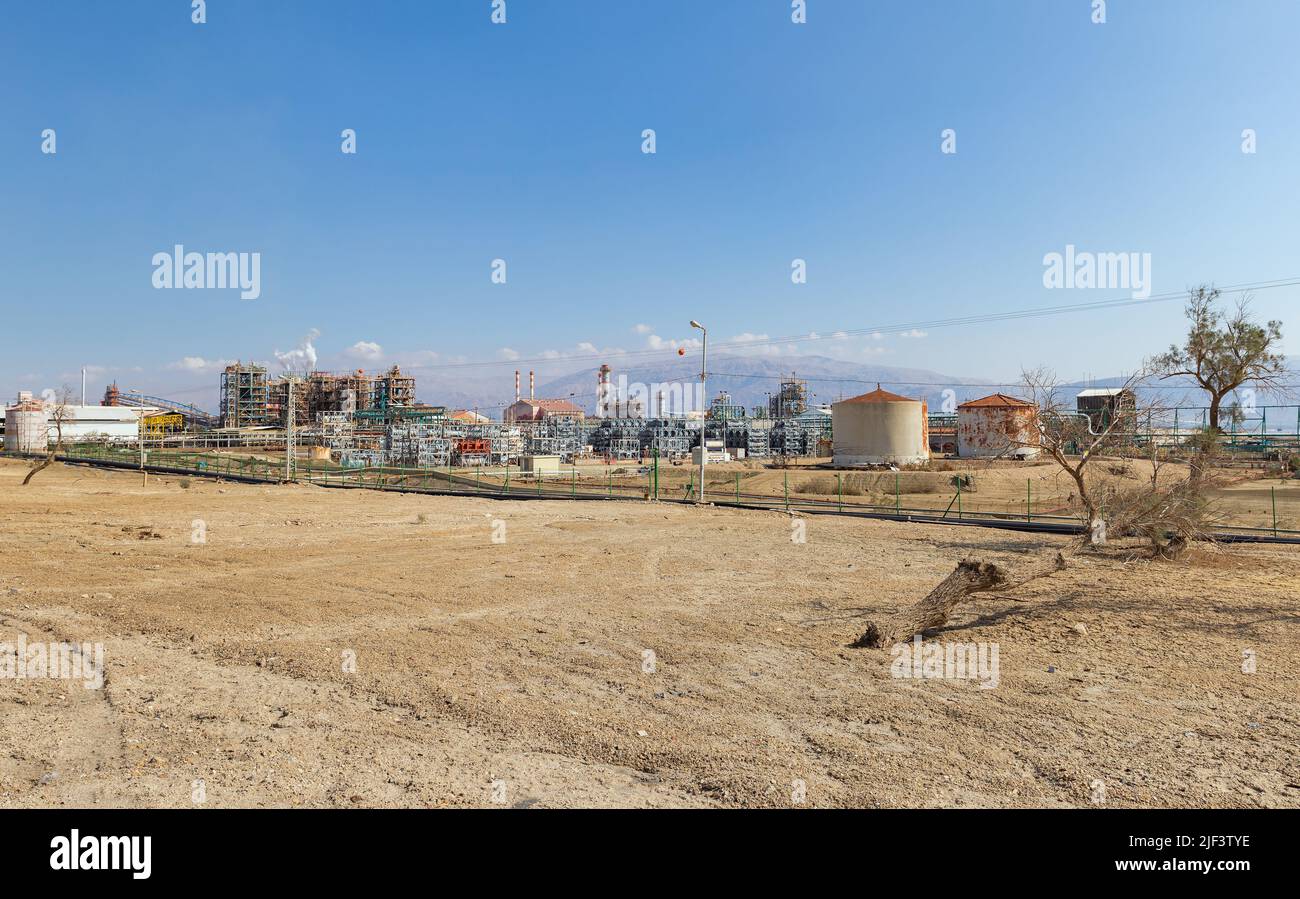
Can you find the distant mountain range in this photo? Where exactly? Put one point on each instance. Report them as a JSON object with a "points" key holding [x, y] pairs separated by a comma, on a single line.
{"points": [[750, 379]]}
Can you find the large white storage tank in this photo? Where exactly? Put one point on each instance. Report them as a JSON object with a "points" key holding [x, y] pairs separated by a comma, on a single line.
{"points": [[880, 428], [26, 429]]}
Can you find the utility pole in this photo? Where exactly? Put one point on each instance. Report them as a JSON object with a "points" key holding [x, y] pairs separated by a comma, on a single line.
{"points": [[704, 391], [288, 436]]}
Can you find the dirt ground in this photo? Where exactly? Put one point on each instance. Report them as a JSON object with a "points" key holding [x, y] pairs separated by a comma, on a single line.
{"points": [[519, 673], [1240, 497]]}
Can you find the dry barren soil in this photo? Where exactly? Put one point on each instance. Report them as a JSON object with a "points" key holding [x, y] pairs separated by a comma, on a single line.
{"points": [[303, 646]]}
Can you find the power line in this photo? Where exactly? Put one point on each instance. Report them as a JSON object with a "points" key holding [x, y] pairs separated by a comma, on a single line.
{"points": [[726, 374], [841, 333]]}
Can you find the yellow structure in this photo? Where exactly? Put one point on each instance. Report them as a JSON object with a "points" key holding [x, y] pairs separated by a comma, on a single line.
{"points": [[162, 425]]}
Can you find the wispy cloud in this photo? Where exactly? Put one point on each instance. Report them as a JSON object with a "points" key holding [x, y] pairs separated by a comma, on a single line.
{"points": [[365, 350], [655, 342], [198, 364]]}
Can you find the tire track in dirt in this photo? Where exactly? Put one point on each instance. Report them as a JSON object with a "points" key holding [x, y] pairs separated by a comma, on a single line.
{"points": [[172, 717], [77, 736]]}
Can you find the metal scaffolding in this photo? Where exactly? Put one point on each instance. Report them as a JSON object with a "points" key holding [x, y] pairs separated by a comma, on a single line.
{"points": [[245, 396]]}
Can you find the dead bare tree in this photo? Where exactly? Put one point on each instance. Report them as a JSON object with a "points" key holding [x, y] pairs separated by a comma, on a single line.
{"points": [[1155, 457], [57, 414], [1150, 440], [1166, 516], [1072, 439]]}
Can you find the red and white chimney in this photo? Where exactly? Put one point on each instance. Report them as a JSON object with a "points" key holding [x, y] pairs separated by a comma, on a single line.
{"points": [[516, 385], [532, 384]]}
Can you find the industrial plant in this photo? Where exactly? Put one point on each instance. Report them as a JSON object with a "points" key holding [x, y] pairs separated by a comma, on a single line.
{"points": [[360, 419], [366, 419]]}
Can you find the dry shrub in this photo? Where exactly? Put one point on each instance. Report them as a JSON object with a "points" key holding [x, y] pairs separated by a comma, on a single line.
{"points": [[868, 483], [925, 485], [828, 485], [823, 486], [967, 482], [1167, 518]]}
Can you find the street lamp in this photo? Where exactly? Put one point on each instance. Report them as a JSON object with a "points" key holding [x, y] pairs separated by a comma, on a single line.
{"points": [[704, 398]]}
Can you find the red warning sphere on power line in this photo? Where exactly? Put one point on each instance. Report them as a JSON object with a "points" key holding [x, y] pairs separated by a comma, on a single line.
{"points": [[681, 351]]}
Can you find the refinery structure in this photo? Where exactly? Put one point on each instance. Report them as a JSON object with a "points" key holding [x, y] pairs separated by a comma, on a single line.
{"points": [[364, 419], [359, 419]]}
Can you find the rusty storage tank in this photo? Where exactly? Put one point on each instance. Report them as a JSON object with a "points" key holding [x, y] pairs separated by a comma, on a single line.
{"points": [[880, 428], [997, 426]]}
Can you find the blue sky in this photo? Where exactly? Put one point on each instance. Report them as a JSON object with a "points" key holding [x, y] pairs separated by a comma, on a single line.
{"points": [[522, 141]]}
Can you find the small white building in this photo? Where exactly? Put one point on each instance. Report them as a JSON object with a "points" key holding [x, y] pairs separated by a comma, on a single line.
{"points": [[716, 453], [539, 464], [26, 421], [102, 422]]}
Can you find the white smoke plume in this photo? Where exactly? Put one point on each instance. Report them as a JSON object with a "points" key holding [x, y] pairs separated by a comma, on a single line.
{"points": [[301, 359]]}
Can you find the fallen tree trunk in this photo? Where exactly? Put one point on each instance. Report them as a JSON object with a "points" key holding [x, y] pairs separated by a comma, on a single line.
{"points": [[38, 469], [969, 577]]}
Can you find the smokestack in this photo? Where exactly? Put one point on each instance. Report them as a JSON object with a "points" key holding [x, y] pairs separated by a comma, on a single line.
{"points": [[532, 384], [603, 391], [516, 385]]}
